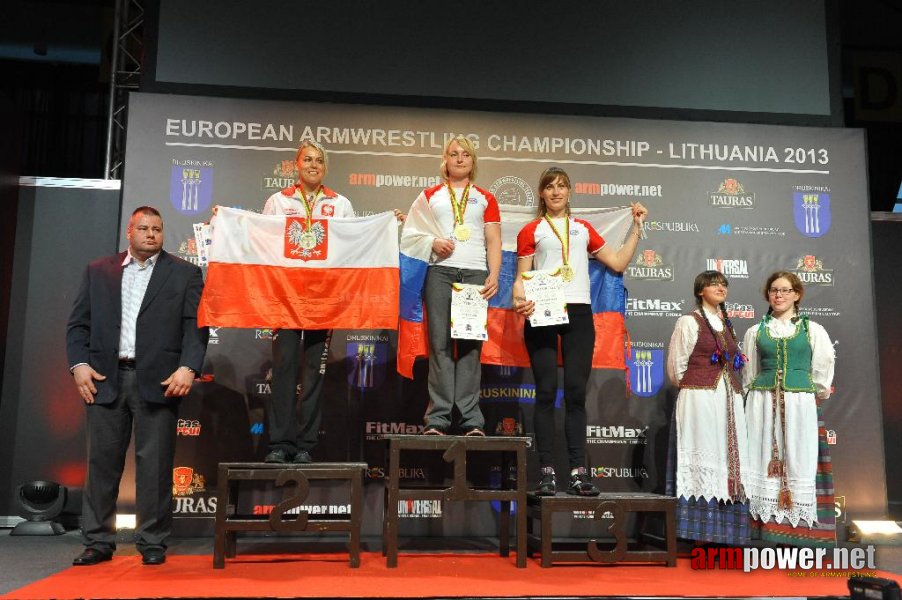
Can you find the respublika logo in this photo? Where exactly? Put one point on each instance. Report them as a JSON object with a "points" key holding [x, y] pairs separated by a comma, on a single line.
{"points": [[646, 369], [650, 266], [512, 190], [191, 186], [734, 268], [619, 472], [731, 194], [811, 210], [672, 226], [810, 269], [417, 473]]}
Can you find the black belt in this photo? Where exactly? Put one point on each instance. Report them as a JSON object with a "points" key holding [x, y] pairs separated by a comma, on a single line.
{"points": [[127, 363]]}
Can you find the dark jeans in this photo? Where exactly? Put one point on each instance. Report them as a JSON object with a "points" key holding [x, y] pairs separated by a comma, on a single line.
{"points": [[577, 344], [291, 429]]}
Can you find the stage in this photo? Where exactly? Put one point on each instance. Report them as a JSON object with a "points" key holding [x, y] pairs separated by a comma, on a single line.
{"points": [[39, 567]]}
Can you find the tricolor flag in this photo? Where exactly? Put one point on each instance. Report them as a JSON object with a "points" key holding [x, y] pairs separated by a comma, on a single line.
{"points": [[505, 344], [275, 271]]}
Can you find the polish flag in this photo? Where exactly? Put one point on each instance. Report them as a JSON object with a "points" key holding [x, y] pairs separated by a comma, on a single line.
{"points": [[505, 345], [276, 272]]}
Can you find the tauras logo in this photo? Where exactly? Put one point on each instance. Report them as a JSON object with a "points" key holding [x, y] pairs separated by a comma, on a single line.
{"points": [[731, 194], [195, 506], [650, 265]]}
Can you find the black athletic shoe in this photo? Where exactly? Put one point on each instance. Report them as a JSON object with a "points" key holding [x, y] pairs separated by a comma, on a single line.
{"points": [[548, 486], [433, 430], [581, 485], [276, 457]]}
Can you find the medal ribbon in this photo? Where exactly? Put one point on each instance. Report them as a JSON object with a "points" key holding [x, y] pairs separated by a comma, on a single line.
{"points": [[564, 240], [308, 206], [459, 209]]}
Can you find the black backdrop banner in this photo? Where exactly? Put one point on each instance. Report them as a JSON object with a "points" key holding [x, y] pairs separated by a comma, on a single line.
{"points": [[743, 199]]}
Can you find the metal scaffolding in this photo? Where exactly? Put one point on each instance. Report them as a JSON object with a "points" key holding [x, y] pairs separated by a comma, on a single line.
{"points": [[126, 66]]}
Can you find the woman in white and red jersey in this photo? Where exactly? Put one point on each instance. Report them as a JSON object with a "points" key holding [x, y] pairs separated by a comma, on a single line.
{"points": [[558, 243], [293, 431], [469, 252]]}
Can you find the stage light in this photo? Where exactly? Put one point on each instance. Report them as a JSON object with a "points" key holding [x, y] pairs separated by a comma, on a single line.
{"points": [[125, 521], [885, 533], [39, 503], [873, 588]]}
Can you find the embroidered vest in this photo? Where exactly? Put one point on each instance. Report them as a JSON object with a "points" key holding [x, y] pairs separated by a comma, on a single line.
{"points": [[701, 373], [790, 355]]}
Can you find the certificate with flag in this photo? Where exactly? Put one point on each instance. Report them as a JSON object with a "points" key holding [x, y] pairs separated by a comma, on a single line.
{"points": [[469, 312], [546, 289]]}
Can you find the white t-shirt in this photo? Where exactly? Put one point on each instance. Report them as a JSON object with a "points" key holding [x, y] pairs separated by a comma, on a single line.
{"points": [[289, 202], [482, 209], [538, 240]]}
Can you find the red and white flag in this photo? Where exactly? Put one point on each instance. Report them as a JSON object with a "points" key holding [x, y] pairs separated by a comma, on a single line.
{"points": [[280, 272]]}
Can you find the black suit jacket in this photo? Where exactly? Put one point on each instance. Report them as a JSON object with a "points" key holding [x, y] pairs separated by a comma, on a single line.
{"points": [[167, 333]]}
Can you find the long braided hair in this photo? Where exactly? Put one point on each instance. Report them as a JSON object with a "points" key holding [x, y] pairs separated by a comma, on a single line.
{"points": [[703, 280]]}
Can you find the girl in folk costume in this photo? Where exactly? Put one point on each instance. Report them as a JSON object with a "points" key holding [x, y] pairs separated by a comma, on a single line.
{"points": [[790, 371], [710, 446], [558, 243]]}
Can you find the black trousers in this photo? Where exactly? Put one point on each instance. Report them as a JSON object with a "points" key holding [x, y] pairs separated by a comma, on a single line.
{"points": [[577, 343], [291, 429], [109, 430]]}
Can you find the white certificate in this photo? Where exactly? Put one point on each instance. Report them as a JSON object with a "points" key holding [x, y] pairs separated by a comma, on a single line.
{"points": [[546, 289], [203, 237], [469, 312]]}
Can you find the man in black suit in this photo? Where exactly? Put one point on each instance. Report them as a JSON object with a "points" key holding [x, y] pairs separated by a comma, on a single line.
{"points": [[134, 349]]}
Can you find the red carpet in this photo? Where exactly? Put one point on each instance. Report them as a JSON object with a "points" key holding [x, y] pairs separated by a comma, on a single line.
{"points": [[417, 576]]}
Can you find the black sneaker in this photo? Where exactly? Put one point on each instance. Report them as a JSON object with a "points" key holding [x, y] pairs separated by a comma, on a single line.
{"points": [[581, 485], [276, 457], [302, 458], [548, 486], [433, 430], [474, 432]]}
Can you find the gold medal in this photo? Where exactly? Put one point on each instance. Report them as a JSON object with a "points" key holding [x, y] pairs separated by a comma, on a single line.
{"points": [[461, 232], [307, 241], [566, 272]]}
